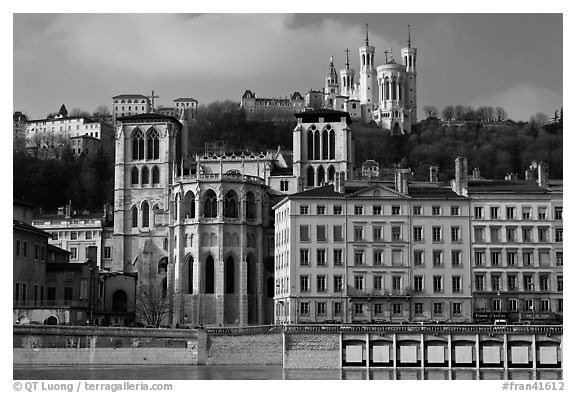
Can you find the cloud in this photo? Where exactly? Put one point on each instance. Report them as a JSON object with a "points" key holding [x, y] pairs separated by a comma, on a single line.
{"points": [[523, 100]]}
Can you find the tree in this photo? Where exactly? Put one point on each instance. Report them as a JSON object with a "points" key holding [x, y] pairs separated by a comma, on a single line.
{"points": [[77, 112], [153, 305], [102, 110], [63, 111], [459, 112], [430, 110], [539, 119], [448, 113], [500, 114]]}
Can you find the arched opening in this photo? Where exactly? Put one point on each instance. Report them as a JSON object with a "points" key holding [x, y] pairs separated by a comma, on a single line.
{"points": [[394, 90], [209, 275], [134, 217], [310, 141], [51, 320], [137, 145], [324, 145], [189, 205], [396, 129], [250, 206], [321, 175], [145, 176], [229, 275], [317, 145], [145, 215], [134, 176], [164, 284], [156, 216], [251, 285], [331, 173], [190, 276], [230, 205], [163, 265], [210, 204], [153, 142], [310, 177], [119, 301], [155, 175], [333, 142]]}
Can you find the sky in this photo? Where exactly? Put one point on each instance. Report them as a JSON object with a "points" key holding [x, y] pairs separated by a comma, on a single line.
{"points": [[82, 60]]}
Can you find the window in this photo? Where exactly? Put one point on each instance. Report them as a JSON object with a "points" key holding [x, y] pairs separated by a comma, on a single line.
{"points": [[358, 308], [495, 258], [304, 233], [321, 233], [526, 235], [231, 205], [68, 293], [396, 257], [358, 210], [36, 252], [134, 217], [395, 210], [337, 257], [510, 234], [417, 231], [436, 234], [558, 213], [359, 282], [495, 282], [358, 232], [137, 145], [435, 210], [544, 258], [211, 204], [456, 308], [303, 209], [456, 258], [73, 235], [559, 258], [418, 258], [378, 283], [418, 308], [396, 283], [417, 210], [510, 213], [479, 282], [437, 307], [88, 235], [478, 234], [527, 258], [495, 234], [513, 305], [544, 282], [396, 233], [511, 258], [304, 308], [73, 253], [418, 283], [560, 305], [304, 284], [545, 305], [558, 235], [338, 233], [337, 210], [378, 309], [397, 308], [321, 283], [358, 257], [378, 257], [496, 305], [559, 283], [478, 212], [437, 260], [321, 257], [437, 284], [377, 210], [455, 234], [145, 214], [321, 210], [455, 210], [526, 213], [337, 308], [528, 282], [529, 305], [456, 284], [542, 235], [541, 213], [494, 212], [304, 257], [321, 308], [377, 232], [107, 252], [338, 287]]}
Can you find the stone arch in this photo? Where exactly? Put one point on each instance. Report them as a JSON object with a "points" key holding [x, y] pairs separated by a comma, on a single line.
{"points": [[119, 301], [51, 320], [396, 129], [231, 205], [189, 205], [210, 204]]}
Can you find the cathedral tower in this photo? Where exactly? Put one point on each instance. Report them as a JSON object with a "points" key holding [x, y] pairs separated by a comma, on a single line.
{"points": [[367, 78], [347, 78], [331, 88], [409, 60]]}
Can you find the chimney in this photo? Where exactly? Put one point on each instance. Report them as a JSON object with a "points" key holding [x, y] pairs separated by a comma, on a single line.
{"points": [[543, 177], [61, 211], [476, 173], [531, 173], [434, 174], [460, 183], [339, 182], [401, 180], [68, 208], [511, 176]]}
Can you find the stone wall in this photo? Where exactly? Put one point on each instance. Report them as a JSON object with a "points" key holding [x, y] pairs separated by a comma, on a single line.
{"points": [[244, 349], [312, 351]]}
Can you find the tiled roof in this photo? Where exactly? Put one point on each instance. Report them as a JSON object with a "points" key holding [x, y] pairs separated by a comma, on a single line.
{"points": [[59, 250], [130, 96], [319, 192], [185, 99], [21, 225], [433, 193], [149, 116]]}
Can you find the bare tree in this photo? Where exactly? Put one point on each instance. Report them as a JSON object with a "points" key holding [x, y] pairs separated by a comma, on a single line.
{"points": [[78, 112], [448, 113], [153, 305], [459, 111], [500, 114], [539, 119], [102, 110], [430, 110]]}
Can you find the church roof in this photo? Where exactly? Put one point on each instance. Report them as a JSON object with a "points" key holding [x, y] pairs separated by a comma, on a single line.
{"points": [[185, 100], [149, 116], [329, 115]]}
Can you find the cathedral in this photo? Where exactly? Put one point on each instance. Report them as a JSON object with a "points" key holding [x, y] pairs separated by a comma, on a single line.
{"points": [[385, 94]]}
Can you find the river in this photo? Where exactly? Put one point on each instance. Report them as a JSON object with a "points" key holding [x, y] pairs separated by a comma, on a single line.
{"points": [[195, 372]]}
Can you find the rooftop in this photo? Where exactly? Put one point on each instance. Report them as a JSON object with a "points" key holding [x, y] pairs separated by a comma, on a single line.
{"points": [[329, 115]]}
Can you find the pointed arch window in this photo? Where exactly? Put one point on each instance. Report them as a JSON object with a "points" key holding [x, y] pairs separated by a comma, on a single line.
{"points": [[163, 265], [333, 144], [145, 215], [310, 177], [153, 142], [155, 175], [137, 145], [145, 176], [134, 176], [250, 206], [230, 205], [190, 264], [324, 145], [331, 173], [189, 205], [134, 217], [209, 275], [210, 204], [310, 141], [229, 275], [321, 175]]}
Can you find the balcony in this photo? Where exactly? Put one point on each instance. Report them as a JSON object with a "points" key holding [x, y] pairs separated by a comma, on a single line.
{"points": [[62, 303]]}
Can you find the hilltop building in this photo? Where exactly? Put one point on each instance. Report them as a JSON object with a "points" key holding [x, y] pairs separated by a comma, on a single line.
{"points": [[271, 108]]}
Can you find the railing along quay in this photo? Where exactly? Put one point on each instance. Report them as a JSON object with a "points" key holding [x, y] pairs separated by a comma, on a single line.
{"points": [[389, 328]]}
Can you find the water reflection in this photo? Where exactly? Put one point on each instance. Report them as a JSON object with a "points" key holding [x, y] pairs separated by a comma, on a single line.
{"points": [[269, 372]]}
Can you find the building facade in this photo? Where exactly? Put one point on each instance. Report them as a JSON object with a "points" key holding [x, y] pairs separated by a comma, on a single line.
{"points": [[271, 108]]}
